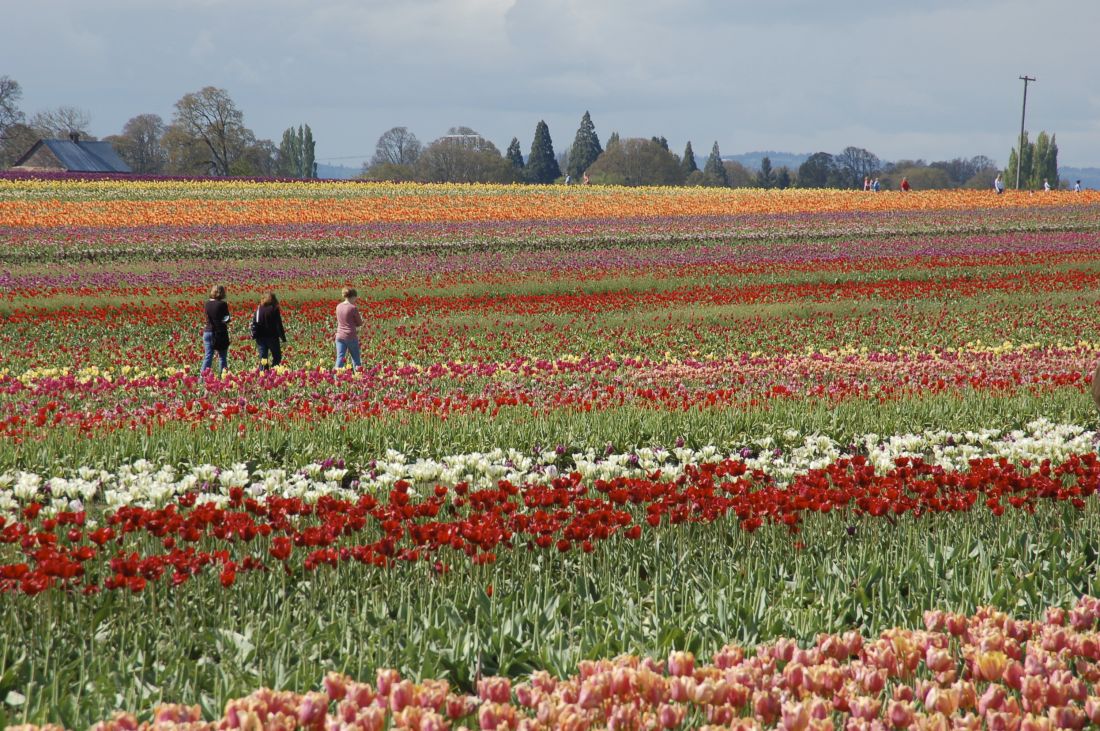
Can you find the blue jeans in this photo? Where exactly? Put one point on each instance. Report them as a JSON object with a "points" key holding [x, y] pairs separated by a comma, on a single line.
{"points": [[345, 348], [270, 349], [208, 359]]}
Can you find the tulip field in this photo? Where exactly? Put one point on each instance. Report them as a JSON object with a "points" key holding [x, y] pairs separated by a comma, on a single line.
{"points": [[625, 458]]}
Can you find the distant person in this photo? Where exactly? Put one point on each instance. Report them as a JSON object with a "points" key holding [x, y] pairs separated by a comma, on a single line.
{"points": [[1077, 187], [999, 184], [568, 179], [1046, 185], [875, 186], [215, 335], [866, 184], [267, 330], [585, 178], [905, 185], [348, 322]]}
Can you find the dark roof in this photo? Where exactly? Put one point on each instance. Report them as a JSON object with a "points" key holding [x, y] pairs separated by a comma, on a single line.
{"points": [[82, 156]]}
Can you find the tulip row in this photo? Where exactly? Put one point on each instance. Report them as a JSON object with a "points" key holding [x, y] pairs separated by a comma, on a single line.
{"points": [[782, 458], [987, 670], [238, 530]]}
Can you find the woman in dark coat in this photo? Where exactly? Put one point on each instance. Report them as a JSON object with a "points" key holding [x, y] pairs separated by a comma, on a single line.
{"points": [[215, 335], [269, 333]]}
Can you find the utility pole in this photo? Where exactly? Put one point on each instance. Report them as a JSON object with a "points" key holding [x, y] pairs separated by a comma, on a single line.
{"points": [[1020, 153]]}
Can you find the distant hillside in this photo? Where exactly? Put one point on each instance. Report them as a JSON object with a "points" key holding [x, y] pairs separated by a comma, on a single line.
{"points": [[1089, 177], [751, 160], [337, 172]]}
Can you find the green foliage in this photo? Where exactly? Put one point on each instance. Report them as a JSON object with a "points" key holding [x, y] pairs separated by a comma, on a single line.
{"points": [[637, 161], [542, 165], [687, 162], [1039, 163], [296, 153], [818, 171], [714, 171], [586, 148], [783, 178], [514, 155], [765, 178]]}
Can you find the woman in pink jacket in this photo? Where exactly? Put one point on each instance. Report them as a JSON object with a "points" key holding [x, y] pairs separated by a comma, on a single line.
{"points": [[348, 322]]}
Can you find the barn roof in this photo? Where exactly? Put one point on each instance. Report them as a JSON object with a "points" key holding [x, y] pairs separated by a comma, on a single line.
{"points": [[81, 156]]}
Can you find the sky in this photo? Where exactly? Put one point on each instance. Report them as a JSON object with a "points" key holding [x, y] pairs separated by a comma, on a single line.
{"points": [[924, 79]]}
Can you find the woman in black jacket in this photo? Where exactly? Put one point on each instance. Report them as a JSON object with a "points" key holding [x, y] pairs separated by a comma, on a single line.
{"points": [[267, 329], [215, 336]]}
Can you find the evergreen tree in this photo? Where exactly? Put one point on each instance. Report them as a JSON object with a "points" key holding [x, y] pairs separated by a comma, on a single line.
{"points": [[660, 141], [765, 178], [783, 179], [1025, 164], [687, 163], [612, 140], [586, 148], [542, 166], [309, 152], [714, 169], [514, 155]]}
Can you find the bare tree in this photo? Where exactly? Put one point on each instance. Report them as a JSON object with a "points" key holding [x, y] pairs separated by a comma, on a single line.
{"points": [[140, 144], [10, 114], [857, 163], [62, 122], [396, 146], [210, 116]]}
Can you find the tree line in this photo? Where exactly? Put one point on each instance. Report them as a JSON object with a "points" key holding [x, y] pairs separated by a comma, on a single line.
{"points": [[207, 136]]}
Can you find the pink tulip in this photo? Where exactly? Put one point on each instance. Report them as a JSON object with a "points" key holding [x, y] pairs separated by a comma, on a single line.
{"points": [[1002, 721], [311, 711], [938, 660], [681, 663], [385, 680], [670, 716], [1069, 716], [335, 685], [795, 717], [1035, 723], [900, 714]]}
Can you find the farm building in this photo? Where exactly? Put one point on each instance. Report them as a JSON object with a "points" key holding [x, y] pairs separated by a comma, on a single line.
{"points": [[72, 155]]}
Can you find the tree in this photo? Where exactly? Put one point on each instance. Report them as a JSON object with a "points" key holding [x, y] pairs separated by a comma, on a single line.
{"points": [[636, 161], [714, 171], [295, 155], [140, 146], [463, 156], [687, 162], [62, 122], [210, 117], [514, 156], [1044, 163], [1040, 162], [542, 166], [396, 146], [855, 164], [612, 140], [783, 178], [818, 171], [259, 159], [10, 114], [13, 132], [586, 147], [660, 141], [737, 175], [920, 176], [765, 178]]}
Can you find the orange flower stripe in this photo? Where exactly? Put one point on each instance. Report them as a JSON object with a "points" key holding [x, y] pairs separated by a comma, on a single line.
{"points": [[202, 203]]}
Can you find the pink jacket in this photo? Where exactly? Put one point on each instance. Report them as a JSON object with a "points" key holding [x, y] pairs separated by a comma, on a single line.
{"points": [[348, 320]]}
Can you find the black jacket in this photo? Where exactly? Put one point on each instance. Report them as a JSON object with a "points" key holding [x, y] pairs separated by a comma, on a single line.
{"points": [[270, 323], [217, 316]]}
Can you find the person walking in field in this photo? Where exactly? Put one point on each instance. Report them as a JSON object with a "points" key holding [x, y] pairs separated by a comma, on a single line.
{"points": [[905, 185], [1077, 187], [999, 184], [1046, 185], [215, 335], [268, 332], [348, 322]]}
